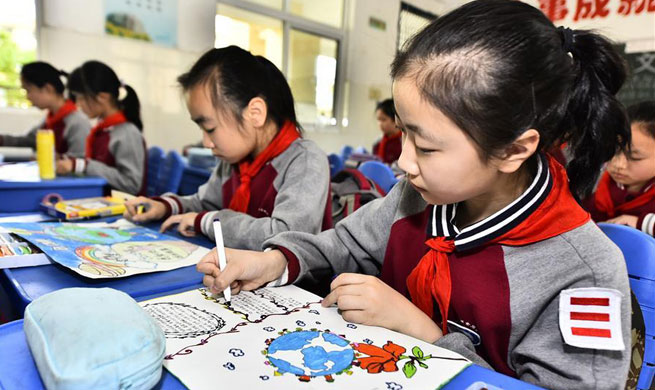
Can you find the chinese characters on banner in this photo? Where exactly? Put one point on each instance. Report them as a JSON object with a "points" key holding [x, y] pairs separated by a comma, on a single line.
{"points": [[557, 10]]}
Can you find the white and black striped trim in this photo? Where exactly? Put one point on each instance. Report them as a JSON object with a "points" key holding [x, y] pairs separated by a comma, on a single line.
{"points": [[648, 224], [79, 166], [173, 204], [207, 221], [497, 224]]}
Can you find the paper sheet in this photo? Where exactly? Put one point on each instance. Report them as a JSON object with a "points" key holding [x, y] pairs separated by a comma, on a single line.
{"points": [[108, 250], [281, 338]]}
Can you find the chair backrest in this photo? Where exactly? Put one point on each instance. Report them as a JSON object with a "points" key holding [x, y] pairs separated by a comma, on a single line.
{"points": [[361, 150], [170, 174], [639, 252], [336, 163], [380, 173], [155, 157], [638, 249], [346, 151]]}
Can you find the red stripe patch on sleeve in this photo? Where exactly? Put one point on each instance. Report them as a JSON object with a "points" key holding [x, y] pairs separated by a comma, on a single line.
{"points": [[590, 316], [590, 301], [591, 332]]}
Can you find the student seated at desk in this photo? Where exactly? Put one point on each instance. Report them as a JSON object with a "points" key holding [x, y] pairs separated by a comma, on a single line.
{"points": [[45, 90], [115, 148], [626, 192], [269, 179], [483, 249], [388, 148]]}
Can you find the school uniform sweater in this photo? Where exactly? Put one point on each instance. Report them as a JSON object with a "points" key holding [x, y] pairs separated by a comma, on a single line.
{"points": [[620, 195], [70, 135], [505, 300], [118, 154], [392, 147], [290, 192]]}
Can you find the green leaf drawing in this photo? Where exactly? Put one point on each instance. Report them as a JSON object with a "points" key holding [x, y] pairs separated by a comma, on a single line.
{"points": [[417, 352], [409, 369], [423, 365]]}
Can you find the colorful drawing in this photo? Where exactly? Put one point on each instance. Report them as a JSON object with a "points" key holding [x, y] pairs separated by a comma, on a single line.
{"points": [[98, 250], [249, 351]]}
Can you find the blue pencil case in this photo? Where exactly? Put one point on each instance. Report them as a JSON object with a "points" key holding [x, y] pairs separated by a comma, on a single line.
{"points": [[93, 338]]}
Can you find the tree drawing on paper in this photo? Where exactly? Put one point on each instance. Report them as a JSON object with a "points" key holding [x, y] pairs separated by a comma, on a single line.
{"points": [[314, 353]]}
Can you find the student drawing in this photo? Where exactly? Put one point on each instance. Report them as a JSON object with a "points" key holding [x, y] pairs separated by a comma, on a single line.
{"points": [[282, 338], [101, 250], [112, 260], [182, 321]]}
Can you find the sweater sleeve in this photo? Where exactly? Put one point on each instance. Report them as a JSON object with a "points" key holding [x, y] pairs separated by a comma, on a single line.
{"points": [[77, 129], [299, 206], [356, 244], [27, 140], [129, 153]]}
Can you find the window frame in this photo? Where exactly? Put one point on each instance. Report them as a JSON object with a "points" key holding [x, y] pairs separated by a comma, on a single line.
{"points": [[294, 22], [412, 9]]}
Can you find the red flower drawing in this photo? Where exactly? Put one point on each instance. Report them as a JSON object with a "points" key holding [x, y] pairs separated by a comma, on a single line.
{"points": [[379, 359]]}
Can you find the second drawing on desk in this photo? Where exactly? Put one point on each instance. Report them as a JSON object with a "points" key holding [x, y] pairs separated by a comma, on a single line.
{"points": [[104, 250]]}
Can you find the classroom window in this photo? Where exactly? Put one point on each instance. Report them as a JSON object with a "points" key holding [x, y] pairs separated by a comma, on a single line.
{"points": [[17, 47], [410, 21], [303, 38], [312, 73], [324, 11], [261, 35]]}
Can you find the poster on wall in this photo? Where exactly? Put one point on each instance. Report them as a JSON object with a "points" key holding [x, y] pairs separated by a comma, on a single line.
{"points": [[147, 20]]}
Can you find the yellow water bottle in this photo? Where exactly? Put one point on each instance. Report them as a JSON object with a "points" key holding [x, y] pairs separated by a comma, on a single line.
{"points": [[45, 153]]}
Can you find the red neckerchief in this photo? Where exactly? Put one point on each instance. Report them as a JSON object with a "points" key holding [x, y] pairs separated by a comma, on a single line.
{"points": [[109, 121], [383, 143], [605, 203], [557, 214], [62, 113], [248, 170]]}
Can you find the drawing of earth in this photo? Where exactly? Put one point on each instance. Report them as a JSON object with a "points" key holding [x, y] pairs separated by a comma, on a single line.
{"points": [[311, 353], [92, 235]]}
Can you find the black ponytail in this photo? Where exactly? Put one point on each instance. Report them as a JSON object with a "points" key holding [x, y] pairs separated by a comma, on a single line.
{"points": [[497, 68], [94, 77], [234, 76], [131, 106], [600, 127], [41, 73]]}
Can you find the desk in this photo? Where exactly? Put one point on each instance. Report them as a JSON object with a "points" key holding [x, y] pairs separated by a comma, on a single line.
{"points": [[18, 196], [18, 370], [23, 285]]}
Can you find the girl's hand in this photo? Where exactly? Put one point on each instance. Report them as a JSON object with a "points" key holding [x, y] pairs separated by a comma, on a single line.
{"points": [[245, 270], [153, 210], [627, 220], [365, 299], [64, 166], [185, 224]]}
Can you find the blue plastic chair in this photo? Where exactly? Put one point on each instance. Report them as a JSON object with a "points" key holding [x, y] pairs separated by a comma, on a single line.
{"points": [[379, 173], [336, 163], [361, 150], [639, 252], [155, 157], [170, 174], [346, 151]]}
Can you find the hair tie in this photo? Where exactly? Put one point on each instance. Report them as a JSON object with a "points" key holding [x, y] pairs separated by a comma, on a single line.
{"points": [[567, 38]]}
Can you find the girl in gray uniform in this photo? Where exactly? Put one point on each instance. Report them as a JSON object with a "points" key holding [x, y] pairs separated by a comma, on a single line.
{"points": [[45, 90], [269, 179], [483, 249], [115, 148]]}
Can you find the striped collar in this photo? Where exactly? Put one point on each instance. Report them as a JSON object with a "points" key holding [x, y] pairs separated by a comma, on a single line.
{"points": [[443, 216]]}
